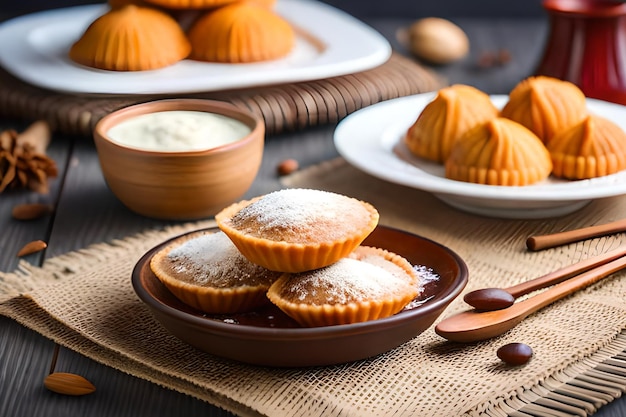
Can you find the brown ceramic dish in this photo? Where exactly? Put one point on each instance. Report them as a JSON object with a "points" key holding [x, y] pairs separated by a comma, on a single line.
{"points": [[180, 185], [270, 338]]}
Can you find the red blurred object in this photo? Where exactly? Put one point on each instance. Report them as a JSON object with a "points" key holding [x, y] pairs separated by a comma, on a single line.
{"points": [[587, 46]]}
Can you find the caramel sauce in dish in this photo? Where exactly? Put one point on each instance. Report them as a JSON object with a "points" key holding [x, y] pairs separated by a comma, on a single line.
{"points": [[178, 131]]}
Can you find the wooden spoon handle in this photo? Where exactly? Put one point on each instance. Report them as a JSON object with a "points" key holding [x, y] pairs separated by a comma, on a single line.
{"points": [[570, 286], [565, 273], [473, 325], [537, 243]]}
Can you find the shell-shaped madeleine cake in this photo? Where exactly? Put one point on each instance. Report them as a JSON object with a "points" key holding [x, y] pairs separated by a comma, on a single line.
{"points": [[452, 112], [499, 152], [131, 38], [545, 105], [594, 147], [241, 33]]}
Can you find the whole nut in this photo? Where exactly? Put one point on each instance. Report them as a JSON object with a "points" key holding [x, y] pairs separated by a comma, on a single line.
{"points": [[287, 167], [68, 384], [437, 40], [30, 211], [32, 247], [515, 353]]}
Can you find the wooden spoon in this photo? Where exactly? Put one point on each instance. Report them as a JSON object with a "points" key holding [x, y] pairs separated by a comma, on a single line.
{"points": [[472, 326], [537, 243], [488, 299]]}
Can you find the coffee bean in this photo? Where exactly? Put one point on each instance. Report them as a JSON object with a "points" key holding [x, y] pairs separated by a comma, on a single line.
{"points": [[515, 353]]}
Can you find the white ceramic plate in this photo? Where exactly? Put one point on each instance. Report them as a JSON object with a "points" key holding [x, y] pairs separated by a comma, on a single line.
{"points": [[329, 43], [370, 139]]}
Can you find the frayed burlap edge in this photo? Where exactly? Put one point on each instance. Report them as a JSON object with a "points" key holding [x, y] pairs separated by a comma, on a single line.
{"points": [[603, 364], [17, 305], [579, 389]]}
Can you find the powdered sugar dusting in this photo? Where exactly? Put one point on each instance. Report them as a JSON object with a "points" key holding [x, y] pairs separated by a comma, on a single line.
{"points": [[427, 276], [212, 259], [302, 215], [376, 259], [347, 280]]}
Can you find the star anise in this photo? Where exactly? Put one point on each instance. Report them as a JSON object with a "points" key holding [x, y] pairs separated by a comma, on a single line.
{"points": [[23, 159]]}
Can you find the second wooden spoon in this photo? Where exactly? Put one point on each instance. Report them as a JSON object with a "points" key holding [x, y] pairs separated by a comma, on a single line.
{"points": [[473, 325], [488, 299]]}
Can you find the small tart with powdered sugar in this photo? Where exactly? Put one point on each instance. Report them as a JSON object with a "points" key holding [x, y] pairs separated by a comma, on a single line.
{"points": [[206, 271], [295, 230], [369, 284]]}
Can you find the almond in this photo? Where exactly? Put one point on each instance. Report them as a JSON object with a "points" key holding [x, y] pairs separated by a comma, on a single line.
{"points": [[30, 211], [287, 167], [32, 247], [438, 40], [68, 384]]}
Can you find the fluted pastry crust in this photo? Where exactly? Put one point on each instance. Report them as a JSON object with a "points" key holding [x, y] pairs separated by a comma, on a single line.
{"points": [[594, 147], [131, 38], [294, 230], [206, 271], [545, 105], [369, 284], [499, 152], [241, 33], [453, 111]]}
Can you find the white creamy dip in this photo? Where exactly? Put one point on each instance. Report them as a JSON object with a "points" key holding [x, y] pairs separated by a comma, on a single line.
{"points": [[178, 130]]}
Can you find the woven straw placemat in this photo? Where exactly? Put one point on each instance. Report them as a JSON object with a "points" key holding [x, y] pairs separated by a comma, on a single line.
{"points": [[83, 299], [284, 107]]}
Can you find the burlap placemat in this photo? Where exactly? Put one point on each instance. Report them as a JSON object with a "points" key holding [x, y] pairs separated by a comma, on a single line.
{"points": [[284, 107], [83, 300]]}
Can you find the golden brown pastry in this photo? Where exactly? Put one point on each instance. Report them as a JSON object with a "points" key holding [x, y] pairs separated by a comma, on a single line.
{"points": [[131, 38], [499, 152], [206, 271], [592, 148], [294, 230], [453, 111], [241, 33], [368, 285], [269, 4], [545, 105]]}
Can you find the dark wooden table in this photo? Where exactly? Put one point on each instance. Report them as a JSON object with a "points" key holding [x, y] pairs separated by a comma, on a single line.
{"points": [[86, 212]]}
